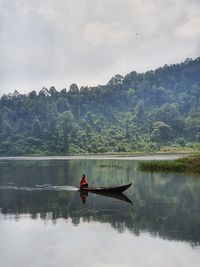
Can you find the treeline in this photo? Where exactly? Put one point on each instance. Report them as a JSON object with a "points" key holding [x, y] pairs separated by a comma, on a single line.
{"points": [[140, 111]]}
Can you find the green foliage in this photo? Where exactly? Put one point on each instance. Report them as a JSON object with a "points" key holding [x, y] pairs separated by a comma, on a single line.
{"points": [[186, 164], [161, 131], [162, 166], [136, 112]]}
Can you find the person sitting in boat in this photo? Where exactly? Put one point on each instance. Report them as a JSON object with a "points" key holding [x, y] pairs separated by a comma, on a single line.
{"points": [[83, 182]]}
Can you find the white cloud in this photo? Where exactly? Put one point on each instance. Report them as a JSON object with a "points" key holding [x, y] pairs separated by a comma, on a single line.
{"points": [[99, 33], [189, 29]]}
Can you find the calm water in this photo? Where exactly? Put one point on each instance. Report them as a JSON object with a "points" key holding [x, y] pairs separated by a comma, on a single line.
{"points": [[44, 221]]}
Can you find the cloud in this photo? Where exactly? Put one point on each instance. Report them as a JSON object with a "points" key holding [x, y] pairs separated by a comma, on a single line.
{"points": [[98, 33], [47, 42], [189, 29]]}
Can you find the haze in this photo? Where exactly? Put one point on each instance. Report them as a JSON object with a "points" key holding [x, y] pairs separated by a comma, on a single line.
{"points": [[46, 42]]}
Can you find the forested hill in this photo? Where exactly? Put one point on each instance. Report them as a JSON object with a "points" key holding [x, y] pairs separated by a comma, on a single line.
{"points": [[130, 113]]}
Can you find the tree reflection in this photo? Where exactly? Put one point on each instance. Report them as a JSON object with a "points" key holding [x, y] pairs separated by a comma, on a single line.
{"points": [[172, 218], [167, 206]]}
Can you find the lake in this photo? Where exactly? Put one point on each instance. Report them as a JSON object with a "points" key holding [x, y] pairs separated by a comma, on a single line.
{"points": [[45, 221]]}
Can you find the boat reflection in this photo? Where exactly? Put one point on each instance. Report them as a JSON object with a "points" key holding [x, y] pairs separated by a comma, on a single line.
{"points": [[119, 196]]}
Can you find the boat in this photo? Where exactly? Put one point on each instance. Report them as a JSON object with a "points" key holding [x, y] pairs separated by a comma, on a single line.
{"points": [[110, 189]]}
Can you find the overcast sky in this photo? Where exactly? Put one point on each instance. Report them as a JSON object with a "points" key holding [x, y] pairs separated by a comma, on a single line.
{"points": [[59, 42]]}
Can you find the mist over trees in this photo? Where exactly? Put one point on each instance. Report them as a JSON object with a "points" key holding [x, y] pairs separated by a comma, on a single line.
{"points": [[140, 111]]}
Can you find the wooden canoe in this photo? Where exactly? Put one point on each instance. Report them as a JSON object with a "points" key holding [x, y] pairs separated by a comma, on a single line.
{"points": [[111, 189]]}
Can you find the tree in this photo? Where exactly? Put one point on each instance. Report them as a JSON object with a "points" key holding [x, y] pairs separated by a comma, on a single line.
{"points": [[64, 127], [36, 128], [162, 132], [116, 80]]}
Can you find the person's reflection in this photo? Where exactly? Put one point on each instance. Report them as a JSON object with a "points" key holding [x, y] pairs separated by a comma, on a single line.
{"points": [[83, 196]]}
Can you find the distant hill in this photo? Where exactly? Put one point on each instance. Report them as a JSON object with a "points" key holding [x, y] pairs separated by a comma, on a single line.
{"points": [[137, 112]]}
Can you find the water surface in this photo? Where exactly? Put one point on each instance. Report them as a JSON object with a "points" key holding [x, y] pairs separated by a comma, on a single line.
{"points": [[44, 221]]}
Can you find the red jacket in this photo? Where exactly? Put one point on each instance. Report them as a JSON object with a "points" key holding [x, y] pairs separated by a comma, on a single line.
{"points": [[83, 181]]}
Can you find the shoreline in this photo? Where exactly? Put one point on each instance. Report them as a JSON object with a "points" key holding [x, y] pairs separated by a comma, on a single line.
{"points": [[163, 151], [138, 157]]}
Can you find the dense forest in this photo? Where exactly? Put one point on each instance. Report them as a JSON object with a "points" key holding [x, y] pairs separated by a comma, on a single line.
{"points": [[137, 112]]}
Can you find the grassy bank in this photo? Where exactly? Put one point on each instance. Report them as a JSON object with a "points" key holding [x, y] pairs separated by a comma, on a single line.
{"points": [[186, 164]]}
